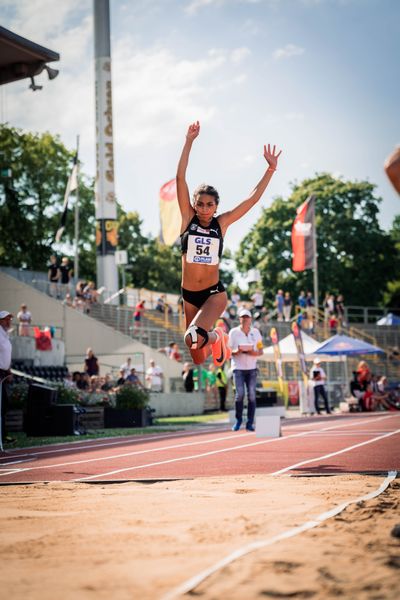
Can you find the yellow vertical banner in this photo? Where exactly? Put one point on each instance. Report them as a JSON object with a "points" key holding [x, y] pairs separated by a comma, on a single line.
{"points": [[278, 358]]}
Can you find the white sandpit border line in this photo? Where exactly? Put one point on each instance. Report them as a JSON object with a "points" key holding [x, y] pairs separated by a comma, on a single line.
{"points": [[193, 582]]}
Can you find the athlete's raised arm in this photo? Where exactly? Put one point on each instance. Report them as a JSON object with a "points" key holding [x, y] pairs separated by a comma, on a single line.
{"points": [[229, 217], [181, 185]]}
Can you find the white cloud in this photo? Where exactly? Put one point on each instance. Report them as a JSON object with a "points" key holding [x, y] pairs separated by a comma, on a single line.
{"points": [[288, 51], [195, 5], [238, 55], [294, 116]]}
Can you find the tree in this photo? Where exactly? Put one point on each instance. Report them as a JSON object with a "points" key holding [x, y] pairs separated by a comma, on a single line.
{"points": [[355, 256], [392, 294], [31, 202]]}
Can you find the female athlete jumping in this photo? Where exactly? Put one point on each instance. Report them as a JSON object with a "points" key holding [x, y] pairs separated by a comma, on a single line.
{"points": [[202, 235]]}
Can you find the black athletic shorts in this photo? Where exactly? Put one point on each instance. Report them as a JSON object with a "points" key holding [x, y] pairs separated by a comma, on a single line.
{"points": [[200, 296]]}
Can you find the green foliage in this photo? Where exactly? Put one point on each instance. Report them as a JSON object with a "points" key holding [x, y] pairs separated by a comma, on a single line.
{"points": [[31, 203], [31, 206], [18, 396], [355, 256], [130, 396], [66, 395]]}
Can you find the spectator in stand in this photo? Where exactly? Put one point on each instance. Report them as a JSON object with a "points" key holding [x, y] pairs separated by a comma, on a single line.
{"points": [[325, 306], [258, 300], [122, 378], [76, 377], [333, 324], [80, 286], [175, 354], [279, 304], [126, 367], [340, 310], [301, 300], [68, 381], [167, 350], [68, 301], [137, 315], [65, 275], [84, 382], [154, 377], [107, 384], [187, 376], [91, 366], [287, 306], [53, 275], [89, 296], [133, 378], [235, 298], [160, 306], [310, 302], [24, 319]]}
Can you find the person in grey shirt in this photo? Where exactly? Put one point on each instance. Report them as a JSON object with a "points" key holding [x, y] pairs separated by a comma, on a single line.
{"points": [[5, 364]]}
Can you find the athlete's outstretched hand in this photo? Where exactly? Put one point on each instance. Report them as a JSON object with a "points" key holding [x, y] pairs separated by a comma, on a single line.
{"points": [[193, 131], [271, 157]]}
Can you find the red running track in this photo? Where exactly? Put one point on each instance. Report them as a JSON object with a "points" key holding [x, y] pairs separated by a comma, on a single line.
{"points": [[361, 443]]}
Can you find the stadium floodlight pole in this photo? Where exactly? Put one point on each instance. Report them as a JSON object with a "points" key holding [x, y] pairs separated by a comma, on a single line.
{"points": [[106, 207], [76, 258], [315, 261]]}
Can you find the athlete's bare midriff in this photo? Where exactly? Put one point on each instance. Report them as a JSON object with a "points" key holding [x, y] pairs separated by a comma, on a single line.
{"points": [[198, 277]]}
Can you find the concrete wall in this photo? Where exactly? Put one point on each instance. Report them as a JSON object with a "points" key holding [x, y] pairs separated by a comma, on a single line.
{"points": [[80, 331], [177, 404]]}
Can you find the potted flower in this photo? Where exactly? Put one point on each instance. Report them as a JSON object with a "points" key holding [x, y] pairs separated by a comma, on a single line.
{"points": [[130, 408]]}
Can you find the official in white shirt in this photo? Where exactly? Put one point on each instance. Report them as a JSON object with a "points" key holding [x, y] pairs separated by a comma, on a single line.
{"points": [[246, 345]]}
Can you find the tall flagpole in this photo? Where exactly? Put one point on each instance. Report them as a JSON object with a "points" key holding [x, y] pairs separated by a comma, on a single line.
{"points": [[106, 205], [315, 262], [76, 259]]}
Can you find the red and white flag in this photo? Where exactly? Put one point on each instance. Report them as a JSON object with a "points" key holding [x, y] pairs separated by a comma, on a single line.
{"points": [[302, 236]]}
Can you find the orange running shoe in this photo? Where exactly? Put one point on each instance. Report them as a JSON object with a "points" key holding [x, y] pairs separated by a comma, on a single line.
{"points": [[220, 350]]}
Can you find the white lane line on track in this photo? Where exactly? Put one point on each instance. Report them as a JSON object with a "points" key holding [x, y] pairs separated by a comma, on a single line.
{"points": [[212, 452], [306, 462], [156, 439], [193, 582], [133, 453], [96, 444]]}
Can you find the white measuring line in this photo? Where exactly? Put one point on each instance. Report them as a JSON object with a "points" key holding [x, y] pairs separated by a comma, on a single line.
{"points": [[89, 444], [310, 460], [193, 582], [211, 452]]}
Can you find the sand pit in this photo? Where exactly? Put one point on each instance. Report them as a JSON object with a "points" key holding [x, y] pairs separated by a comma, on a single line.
{"points": [[142, 540]]}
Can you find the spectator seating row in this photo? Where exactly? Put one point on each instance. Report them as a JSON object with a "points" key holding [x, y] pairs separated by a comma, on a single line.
{"points": [[52, 373]]}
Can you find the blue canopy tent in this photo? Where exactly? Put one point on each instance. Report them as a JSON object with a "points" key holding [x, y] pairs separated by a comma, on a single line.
{"points": [[348, 346], [344, 346], [389, 319]]}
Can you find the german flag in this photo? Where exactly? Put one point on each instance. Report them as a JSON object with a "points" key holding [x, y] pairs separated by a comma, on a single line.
{"points": [[302, 236]]}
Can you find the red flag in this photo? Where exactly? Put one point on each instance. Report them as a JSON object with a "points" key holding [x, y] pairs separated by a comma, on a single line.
{"points": [[302, 236], [170, 215]]}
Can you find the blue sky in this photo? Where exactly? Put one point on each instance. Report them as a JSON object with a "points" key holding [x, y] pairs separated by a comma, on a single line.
{"points": [[319, 78]]}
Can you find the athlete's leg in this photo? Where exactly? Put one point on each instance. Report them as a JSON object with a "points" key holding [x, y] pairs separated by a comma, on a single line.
{"points": [[202, 320]]}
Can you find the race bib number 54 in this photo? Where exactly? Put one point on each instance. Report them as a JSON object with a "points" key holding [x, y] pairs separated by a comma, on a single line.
{"points": [[203, 250]]}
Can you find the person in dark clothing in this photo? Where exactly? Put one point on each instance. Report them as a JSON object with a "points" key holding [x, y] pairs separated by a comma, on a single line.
{"points": [[91, 366], [187, 376]]}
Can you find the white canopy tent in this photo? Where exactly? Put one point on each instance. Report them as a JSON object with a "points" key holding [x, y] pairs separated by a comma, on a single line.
{"points": [[310, 346], [288, 350]]}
